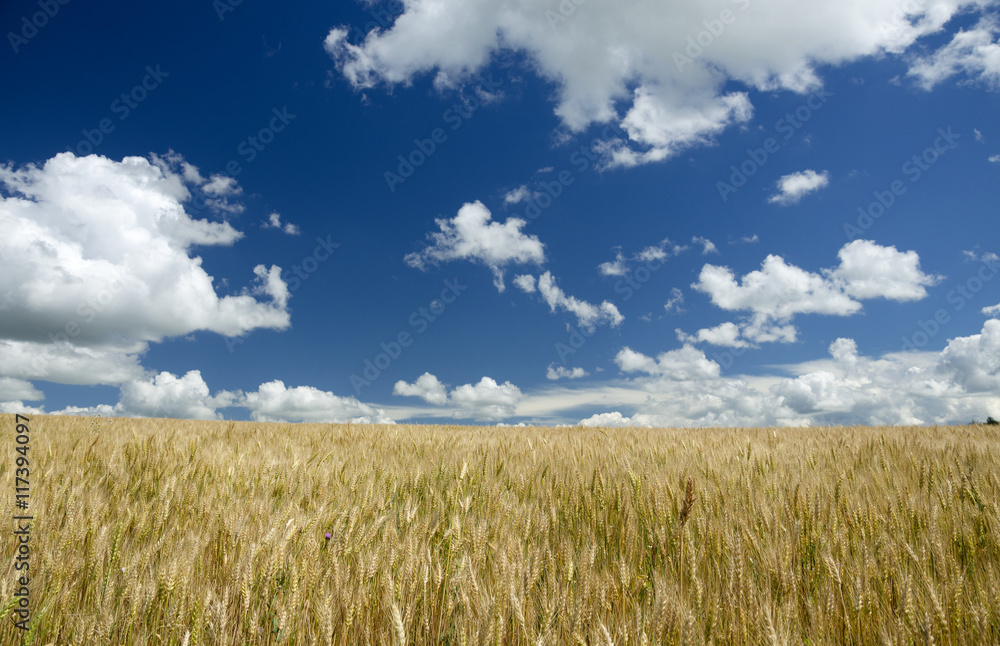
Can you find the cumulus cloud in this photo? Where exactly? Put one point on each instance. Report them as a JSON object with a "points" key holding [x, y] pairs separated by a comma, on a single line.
{"points": [[587, 314], [777, 292], [274, 402], [994, 159], [685, 363], [794, 186], [427, 387], [100, 264], [486, 400], [483, 401], [274, 222], [868, 270], [554, 372], [655, 70], [472, 235], [166, 395], [974, 361]]}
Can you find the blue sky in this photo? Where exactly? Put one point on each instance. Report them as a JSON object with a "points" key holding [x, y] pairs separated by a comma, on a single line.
{"points": [[697, 213]]}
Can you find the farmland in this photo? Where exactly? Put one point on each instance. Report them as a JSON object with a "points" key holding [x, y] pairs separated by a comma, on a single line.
{"points": [[212, 532]]}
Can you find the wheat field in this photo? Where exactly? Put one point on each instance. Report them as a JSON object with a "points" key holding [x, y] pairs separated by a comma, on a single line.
{"points": [[184, 532]]}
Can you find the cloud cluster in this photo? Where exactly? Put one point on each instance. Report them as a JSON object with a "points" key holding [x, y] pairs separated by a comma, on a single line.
{"points": [[274, 402], [661, 70], [472, 235], [622, 264], [188, 397], [484, 401], [274, 222], [554, 373], [777, 292], [99, 262], [956, 385]]}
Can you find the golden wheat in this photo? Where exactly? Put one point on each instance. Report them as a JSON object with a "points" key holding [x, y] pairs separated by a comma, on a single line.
{"points": [[179, 532]]}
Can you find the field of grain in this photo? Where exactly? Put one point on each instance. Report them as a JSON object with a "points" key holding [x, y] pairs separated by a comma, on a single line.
{"points": [[180, 532]]}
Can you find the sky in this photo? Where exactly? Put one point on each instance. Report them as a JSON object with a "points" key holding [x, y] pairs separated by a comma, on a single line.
{"points": [[539, 212]]}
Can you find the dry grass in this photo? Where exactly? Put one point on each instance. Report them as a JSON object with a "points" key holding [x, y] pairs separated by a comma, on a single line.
{"points": [[176, 532]]}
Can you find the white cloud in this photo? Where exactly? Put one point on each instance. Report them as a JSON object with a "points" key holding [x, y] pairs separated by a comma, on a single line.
{"points": [[166, 395], [486, 400], [517, 195], [483, 401], [99, 258], [707, 246], [725, 334], [777, 292], [616, 267], [953, 386], [274, 222], [974, 361], [992, 310], [979, 135], [641, 67], [675, 301], [427, 387], [471, 235], [685, 363], [219, 185], [609, 420], [561, 372], [273, 402], [17, 389], [794, 186], [868, 270], [526, 283], [994, 159], [588, 315], [657, 253], [974, 52], [162, 395]]}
